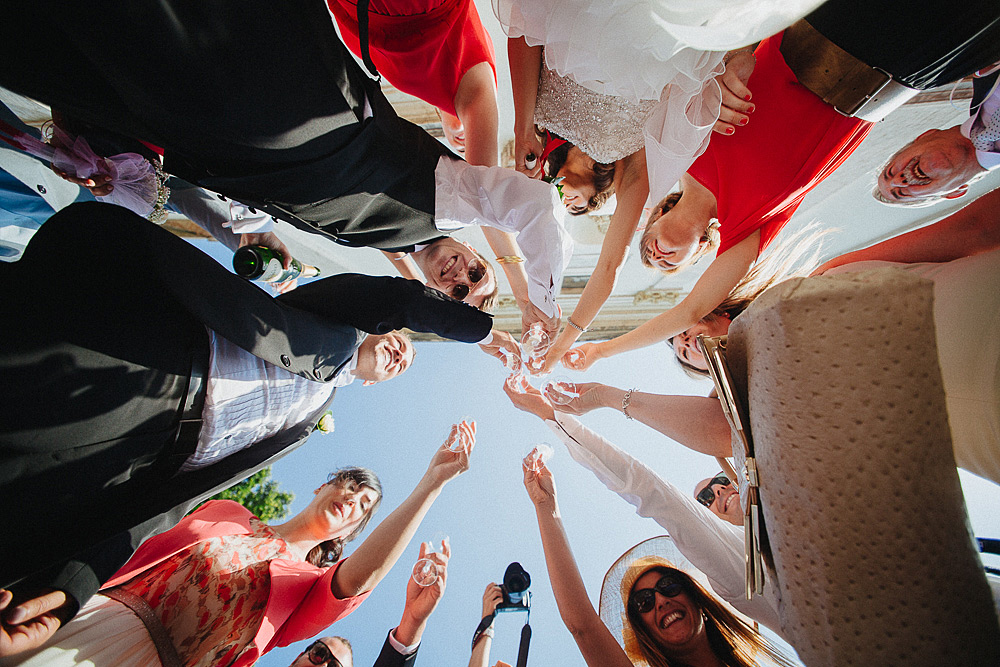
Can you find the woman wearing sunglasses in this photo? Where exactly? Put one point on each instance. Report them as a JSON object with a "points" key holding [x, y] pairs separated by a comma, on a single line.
{"points": [[223, 588], [670, 618], [707, 528]]}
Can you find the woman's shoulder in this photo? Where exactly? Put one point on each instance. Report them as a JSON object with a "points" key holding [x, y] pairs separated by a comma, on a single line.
{"points": [[228, 509]]}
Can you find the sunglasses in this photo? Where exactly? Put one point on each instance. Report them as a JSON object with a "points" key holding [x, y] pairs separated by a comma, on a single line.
{"points": [[476, 273], [643, 600], [319, 654], [707, 495]]}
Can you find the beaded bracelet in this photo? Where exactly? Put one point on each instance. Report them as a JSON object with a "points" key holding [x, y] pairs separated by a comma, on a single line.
{"points": [[509, 259], [576, 326]]}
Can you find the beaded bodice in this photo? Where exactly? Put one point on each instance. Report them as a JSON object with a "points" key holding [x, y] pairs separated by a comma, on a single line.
{"points": [[605, 127]]}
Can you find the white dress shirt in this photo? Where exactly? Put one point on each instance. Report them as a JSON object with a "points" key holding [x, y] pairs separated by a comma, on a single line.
{"points": [[989, 107], [248, 400], [712, 545], [510, 201]]}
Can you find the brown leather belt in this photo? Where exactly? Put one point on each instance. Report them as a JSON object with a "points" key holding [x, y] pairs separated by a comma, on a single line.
{"points": [[849, 85]]}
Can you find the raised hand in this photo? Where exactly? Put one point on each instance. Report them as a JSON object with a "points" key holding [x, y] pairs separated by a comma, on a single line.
{"points": [[528, 398], [582, 357], [541, 487], [448, 464], [590, 398]]}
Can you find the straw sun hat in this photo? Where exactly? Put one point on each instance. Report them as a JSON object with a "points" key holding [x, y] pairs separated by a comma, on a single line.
{"points": [[621, 577]]}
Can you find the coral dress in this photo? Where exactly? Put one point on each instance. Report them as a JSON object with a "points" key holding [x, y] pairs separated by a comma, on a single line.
{"points": [[794, 140], [422, 47]]}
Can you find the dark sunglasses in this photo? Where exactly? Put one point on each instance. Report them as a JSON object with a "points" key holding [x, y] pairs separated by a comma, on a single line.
{"points": [[643, 600], [319, 654], [707, 495], [476, 273]]}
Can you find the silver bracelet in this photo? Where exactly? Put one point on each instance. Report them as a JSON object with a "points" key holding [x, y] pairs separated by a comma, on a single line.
{"points": [[575, 325], [626, 399]]}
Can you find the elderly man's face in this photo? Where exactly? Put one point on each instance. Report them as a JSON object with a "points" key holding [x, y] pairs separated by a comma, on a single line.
{"points": [[938, 163], [383, 357], [726, 501], [453, 268], [325, 652]]}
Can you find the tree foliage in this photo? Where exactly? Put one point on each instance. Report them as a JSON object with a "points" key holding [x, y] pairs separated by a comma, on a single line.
{"points": [[259, 494]]}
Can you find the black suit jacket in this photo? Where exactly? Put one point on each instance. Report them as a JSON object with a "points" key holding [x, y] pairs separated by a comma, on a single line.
{"points": [[257, 100], [87, 266], [390, 657]]}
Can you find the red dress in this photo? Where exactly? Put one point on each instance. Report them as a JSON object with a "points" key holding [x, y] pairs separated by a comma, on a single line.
{"points": [[422, 47], [793, 141]]}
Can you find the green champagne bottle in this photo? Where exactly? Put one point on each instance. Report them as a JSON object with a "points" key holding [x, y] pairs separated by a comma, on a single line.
{"points": [[257, 262]]}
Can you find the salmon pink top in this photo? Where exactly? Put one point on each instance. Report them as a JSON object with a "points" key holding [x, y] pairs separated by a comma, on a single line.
{"points": [[794, 140]]}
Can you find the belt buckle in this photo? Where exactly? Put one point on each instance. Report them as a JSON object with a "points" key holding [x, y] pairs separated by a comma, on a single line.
{"points": [[862, 102]]}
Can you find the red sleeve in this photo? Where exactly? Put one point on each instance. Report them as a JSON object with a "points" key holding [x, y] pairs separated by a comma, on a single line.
{"points": [[317, 611]]}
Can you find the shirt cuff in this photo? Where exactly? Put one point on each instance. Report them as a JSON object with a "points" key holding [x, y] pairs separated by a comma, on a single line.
{"points": [[246, 220], [398, 647], [488, 339]]}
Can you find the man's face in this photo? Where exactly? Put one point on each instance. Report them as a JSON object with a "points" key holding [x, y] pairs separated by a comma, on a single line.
{"points": [[453, 268], [938, 163], [333, 647], [725, 503], [383, 357]]}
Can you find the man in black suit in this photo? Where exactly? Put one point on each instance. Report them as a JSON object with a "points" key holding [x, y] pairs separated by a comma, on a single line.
{"points": [[941, 164], [105, 340], [262, 102]]}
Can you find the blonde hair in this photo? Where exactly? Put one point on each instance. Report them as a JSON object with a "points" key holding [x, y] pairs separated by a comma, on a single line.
{"points": [[795, 257], [707, 244], [732, 640]]}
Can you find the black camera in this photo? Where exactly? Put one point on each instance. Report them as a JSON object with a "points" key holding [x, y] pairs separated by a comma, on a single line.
{"points": [[516, 596]]}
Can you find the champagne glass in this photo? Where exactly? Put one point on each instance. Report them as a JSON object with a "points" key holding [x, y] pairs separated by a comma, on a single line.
{"points": [[573, 357], [425, 572], [519, 383], [560, 390], [458, 439], [511, 361], [536, 456]]}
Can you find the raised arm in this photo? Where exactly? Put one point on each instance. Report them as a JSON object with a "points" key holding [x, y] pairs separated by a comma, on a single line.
{"points": [[525, 65], [373, 559], [476, 104], [595, 641], [631, 188], [968, 231], [711, 289]]}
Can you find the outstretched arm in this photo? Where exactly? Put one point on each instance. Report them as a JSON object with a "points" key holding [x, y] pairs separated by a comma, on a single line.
{"points": [[373, 559], [631, 189], [711, 289], [968, 231], [598, 646]]}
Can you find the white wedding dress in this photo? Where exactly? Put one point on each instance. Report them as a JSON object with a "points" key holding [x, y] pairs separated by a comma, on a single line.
{"points": [[665, 50]]}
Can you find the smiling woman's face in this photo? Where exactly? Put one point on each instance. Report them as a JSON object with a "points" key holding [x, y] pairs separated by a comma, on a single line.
{"points": [[673, 622], [338, 508]]}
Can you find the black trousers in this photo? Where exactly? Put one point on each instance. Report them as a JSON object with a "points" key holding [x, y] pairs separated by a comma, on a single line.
{"points": [[95, 361]]}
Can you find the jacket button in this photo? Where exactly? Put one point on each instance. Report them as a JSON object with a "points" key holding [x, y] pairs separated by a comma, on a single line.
{"points": [[285, 360], [317, 374], [41, 188]]}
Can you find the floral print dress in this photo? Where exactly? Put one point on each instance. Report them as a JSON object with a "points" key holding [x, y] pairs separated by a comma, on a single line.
{"points": [[211, 596]]}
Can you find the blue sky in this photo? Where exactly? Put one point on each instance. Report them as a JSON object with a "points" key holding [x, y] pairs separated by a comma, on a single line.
{"points": [[394, 428]]}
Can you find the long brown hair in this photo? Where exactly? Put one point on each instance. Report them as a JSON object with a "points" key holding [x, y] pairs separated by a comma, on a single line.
{"points": [[327, 553], [794, 257], [732, 640], [603, 178]]}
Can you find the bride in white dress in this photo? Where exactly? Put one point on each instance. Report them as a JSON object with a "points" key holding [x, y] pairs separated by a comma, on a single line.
{"points": [[633, 83]]}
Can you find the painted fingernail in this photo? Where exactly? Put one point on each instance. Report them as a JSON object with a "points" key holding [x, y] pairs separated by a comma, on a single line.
{"points": [[744, 121], [751, 108], [747, 98], [730, 130]]}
